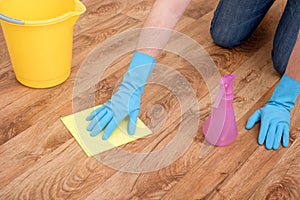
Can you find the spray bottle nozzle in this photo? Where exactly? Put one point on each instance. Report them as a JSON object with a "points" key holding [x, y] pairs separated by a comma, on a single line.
{"points": [[226, 89], [226, 83]]}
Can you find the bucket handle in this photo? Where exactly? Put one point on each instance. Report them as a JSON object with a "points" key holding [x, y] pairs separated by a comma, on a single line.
{"points": [[11, 20]]}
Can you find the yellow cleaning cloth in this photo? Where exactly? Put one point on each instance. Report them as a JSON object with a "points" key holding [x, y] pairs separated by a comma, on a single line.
{"points": [[77, 124]]}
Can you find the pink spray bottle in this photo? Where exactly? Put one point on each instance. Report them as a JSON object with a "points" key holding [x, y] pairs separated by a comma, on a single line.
{"points": [[220, 128]]}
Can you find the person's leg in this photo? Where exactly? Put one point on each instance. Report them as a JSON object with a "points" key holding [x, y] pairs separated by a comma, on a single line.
{"points": [[235, 20], [286, 35]]}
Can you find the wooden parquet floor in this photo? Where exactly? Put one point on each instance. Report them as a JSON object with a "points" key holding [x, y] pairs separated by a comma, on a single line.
{"points": [[39, 159]]}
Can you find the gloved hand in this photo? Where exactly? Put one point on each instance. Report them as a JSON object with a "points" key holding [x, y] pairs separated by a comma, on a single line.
{"points": [[126, 101], [275, 115]]}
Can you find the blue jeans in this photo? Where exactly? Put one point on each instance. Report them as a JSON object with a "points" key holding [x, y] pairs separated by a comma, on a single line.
{"points": [[235, 20]]}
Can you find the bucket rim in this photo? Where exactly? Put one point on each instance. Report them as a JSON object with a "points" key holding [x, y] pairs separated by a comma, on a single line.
{"points": [[54, 20]]}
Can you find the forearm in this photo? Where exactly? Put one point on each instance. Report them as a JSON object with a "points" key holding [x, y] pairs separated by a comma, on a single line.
{"points": [[158, 27], [293, 67]]}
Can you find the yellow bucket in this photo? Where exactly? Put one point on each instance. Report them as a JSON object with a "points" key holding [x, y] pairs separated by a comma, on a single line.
{"points": [[39, 38]]}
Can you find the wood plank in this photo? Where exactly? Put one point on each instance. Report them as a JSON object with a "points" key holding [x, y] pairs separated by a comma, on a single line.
{"points": [[36, 114], [40, 160], [19, 185], [199, 8], [138, 9], [283, 181], [34, 149]]}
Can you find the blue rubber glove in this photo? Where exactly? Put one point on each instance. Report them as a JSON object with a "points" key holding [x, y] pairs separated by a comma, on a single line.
{"points": [[275, 115], [126, 101]]}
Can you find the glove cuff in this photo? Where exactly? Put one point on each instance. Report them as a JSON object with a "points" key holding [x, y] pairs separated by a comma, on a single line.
{"points": [[286, 92], [139, 70], [144, 61]]}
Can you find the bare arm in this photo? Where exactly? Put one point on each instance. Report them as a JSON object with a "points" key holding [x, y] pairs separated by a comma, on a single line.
{"points": [[158, 27], [293, 67]]}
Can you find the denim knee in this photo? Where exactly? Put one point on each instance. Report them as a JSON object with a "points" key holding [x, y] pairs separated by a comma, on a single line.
{"points": [[279, 63], [226, 39]]}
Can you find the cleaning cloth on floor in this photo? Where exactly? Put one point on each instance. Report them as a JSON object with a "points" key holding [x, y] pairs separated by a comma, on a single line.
{"points": [[76, 124]]}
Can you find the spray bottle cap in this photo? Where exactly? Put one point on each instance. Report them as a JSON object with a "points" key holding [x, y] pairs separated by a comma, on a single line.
{"points": [[226, 89], [226, 84]]}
